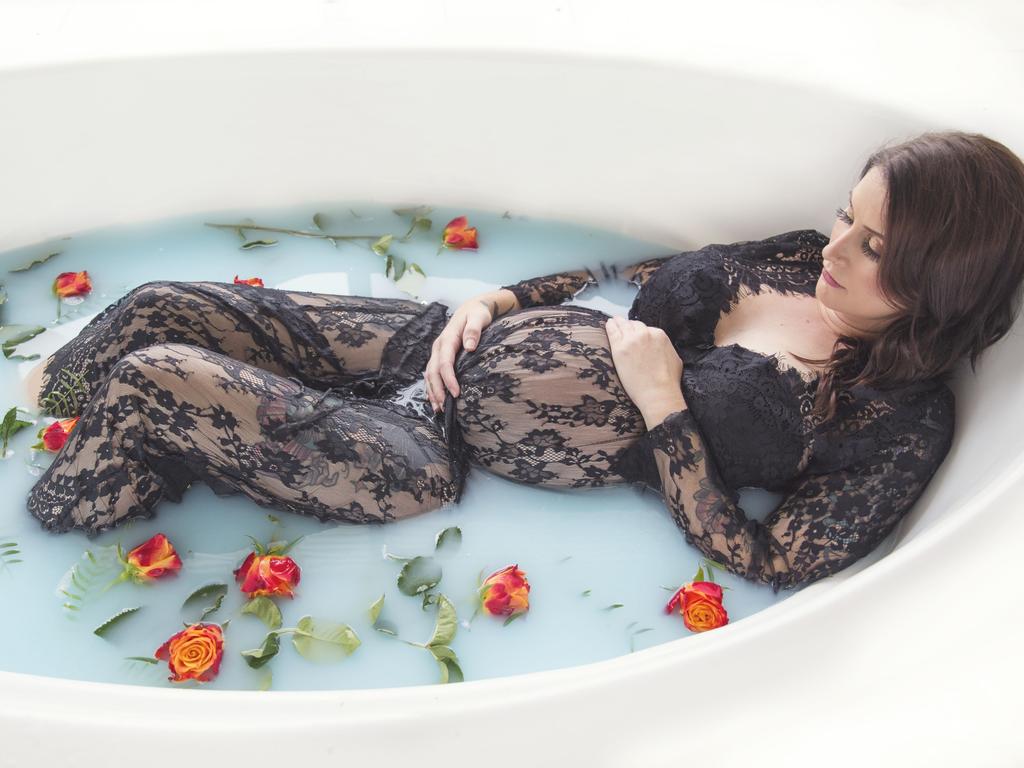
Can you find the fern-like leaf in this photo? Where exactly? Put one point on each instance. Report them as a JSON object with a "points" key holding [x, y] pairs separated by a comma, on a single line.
{"points": [[68, 395]]}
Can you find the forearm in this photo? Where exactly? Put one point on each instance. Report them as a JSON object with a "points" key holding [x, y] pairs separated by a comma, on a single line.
{"points": [[499, 302], [551, 289]]}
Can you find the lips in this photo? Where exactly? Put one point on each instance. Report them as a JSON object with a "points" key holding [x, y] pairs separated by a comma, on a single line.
{"points": [[831, 279]]}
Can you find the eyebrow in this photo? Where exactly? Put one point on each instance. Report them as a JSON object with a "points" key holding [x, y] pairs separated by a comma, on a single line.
{"points": [[869, 229]]}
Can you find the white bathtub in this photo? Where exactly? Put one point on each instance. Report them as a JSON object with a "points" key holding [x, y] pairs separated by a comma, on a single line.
{"points": [[681, 125]]}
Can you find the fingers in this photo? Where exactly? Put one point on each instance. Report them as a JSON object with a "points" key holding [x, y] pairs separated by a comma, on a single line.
{"points": [[440, 371]]}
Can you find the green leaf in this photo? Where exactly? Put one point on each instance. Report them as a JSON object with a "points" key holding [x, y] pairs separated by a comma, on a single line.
{"points": [[446, 624], [451, 672], [612, 606], [585, 593], [13, 335], [381, 245], [700, 574], [263, 608], [257, 244], [103, 628], [281, 548], [387, 627], [418, 575], [144, 659], [448, 540], [209, 596], [257, 657], [375, 609], [417, 210], [319, 640], [513, 617], [36, 261]]}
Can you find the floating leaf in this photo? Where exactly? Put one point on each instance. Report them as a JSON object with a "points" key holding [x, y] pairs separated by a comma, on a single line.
{"points": [[375, 609], [143, 659], [418, 575], [81, 579], [512, 618], [257, 244], [446, 624], [612, 606], [418, 210], [13, 335], [387, 627], [320, 640], [451, 672], [10, 426], [585, 593], [429, 598], [209, 597], [263, 608], [36, 261], [257, 657], [103, 628], [450, 539], [381, 245]]}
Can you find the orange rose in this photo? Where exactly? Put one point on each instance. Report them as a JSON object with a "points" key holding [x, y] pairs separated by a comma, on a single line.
{"points": [[251, 281], [72, 284], [457, 235], [194, 653], [505, 592], [700, 603], [261, 574], [53, 437], [153, 559]]}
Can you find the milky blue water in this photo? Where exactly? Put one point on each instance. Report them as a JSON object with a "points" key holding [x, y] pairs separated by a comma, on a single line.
{"points": [[583, 551]]}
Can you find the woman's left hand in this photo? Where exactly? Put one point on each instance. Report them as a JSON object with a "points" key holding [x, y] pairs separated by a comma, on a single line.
{"points": [[648, 367]]}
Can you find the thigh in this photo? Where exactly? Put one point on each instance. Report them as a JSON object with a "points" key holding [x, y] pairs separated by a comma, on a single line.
{"points": [[541, 402], [169, 414], [371, 346]]}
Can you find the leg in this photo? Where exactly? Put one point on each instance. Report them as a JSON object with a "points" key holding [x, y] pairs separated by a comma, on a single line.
{"points": [[369, 346], [173, 413]]}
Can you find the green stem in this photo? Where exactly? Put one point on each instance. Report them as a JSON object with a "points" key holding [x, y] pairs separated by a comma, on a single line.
{"points": [[297, 232]]}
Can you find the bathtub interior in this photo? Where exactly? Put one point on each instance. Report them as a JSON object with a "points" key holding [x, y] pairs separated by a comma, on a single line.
{"points": [[697, 156]]}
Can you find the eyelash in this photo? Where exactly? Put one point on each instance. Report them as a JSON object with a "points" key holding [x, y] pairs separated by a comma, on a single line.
{"points": [[844, 216]]}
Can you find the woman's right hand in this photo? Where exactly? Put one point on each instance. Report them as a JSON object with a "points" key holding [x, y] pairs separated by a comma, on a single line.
{"points": [[464, 329]]}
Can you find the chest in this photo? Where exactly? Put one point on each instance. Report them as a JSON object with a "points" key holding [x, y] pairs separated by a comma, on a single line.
{"points": [[780, 324]]}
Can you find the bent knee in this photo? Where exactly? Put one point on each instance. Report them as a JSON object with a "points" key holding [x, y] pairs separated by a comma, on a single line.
{"points": [[160, 357]]}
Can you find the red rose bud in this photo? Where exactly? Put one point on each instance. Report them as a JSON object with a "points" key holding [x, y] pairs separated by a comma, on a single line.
{"points": [[457, 235], [700, 603], [72, 284], [276, 575], [153, 559], [251, 281], [194, 653], [53, 437], [505, 592]]}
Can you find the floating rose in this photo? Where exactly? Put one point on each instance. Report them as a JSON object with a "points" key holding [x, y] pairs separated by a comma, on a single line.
{"points": [[505, 592], [458, 236], [153, 559], [53, 437], [700, 603], [251, 281], [194, 653], [72, 284], [268, 574]]}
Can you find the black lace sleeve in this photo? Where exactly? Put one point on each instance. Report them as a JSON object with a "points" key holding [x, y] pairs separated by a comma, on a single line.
{"points": [[551, 289], [638, 274], [826, 523]]}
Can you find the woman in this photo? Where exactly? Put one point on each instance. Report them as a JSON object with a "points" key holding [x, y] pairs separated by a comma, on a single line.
{"points": [[809, 365]]}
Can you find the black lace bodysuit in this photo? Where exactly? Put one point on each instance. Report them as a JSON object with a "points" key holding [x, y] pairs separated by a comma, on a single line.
{"points": [[747, 422]]}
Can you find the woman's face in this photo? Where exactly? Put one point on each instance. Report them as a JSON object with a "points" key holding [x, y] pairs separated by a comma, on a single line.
{"points": [[851, 258]]}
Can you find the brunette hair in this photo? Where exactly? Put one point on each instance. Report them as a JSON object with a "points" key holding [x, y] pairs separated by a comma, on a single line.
{"points": [[953, 261]]}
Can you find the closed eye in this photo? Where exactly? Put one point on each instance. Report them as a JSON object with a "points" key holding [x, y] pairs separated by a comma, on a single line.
{"points": [[865, 246]]}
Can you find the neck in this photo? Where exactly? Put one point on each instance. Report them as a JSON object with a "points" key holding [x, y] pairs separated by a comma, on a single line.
{"points": [[842, 325]]}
